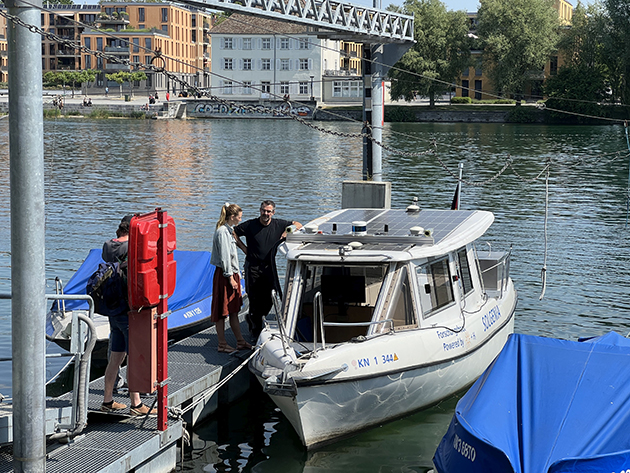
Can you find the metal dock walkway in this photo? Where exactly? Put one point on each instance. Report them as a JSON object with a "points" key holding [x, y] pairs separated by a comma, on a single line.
{"points": [[115, 443]]}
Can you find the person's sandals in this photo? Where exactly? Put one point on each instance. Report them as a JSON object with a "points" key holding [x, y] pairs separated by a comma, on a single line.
{"points": [[112, 406], [142, 410], [225, 348], [244, 345]]}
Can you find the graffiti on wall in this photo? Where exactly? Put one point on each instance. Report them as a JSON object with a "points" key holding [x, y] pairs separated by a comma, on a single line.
{"points": [[280, 110]]}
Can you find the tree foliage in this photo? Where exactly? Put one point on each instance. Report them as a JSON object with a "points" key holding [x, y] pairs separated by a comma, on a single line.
{"points": [[123, 76], [518, 37], [73, 78], [617, 44], [441, 51]]}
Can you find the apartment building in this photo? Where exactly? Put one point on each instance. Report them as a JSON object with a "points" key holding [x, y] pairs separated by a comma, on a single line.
{"points": [[133, 31], [260, 58], [475, 83]]}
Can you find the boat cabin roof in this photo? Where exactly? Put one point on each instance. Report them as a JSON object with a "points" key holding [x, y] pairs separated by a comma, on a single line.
{"points": [[401, 234]]}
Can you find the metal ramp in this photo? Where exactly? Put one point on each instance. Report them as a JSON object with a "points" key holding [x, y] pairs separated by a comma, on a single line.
{"points": [[113, 442]]}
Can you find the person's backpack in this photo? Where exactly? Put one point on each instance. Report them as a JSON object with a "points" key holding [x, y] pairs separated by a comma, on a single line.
{"points": [[108, 287]]}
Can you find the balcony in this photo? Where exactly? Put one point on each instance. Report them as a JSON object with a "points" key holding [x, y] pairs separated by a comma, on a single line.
{"points": [[112, 66], [66, 52], [341, 72], [119, 50]]}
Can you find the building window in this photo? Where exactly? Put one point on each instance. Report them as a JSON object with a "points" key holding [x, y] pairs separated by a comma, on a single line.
{"points": [[266, 64], [136, 45], [553, 65], [303, 64], [347, 88], [303, 43], [266, 43], [303, 87], [165, 29], [465, 72], [284, 64], [227, 63], [227, 43], [141, 26], [136, 59], [193, 21], [149, 81], [88, 62], [247, 87], [247, 64], [478, 71], [465, 88], [147, 60], [147, 43], [247, 43], [284, 87], [265, 87], [227, 87], [88, 43], [141, 14], [464, 271], [193, 36], [164, 15], [284, 43], [477, 90]]}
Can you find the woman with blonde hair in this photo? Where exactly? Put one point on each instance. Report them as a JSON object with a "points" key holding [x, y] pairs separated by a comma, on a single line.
{"points": [[226, 285]]}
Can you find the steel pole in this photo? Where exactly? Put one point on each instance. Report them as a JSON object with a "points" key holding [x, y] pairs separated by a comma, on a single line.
{"points": [[28, 285], [378, 115]]}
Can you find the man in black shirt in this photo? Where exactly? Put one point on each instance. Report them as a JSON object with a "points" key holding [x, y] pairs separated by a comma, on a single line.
{"points": [[261, 235]]}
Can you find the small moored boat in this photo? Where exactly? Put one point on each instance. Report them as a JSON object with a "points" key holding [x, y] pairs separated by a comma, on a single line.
{"points": [[189, 304], [545, 406], [384, 312]]}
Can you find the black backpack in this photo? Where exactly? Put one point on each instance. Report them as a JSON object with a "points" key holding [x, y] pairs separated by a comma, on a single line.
{"points": [[108, 287]]}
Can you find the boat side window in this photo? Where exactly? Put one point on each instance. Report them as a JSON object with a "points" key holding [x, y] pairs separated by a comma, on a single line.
{"points": [[436, 289], [464, 271], [349, 295], [288, 288], [401, 310]]}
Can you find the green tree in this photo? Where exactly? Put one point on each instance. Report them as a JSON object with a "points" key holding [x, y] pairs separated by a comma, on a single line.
{"points": [[119, 78], [518, 37], [124, 76], [441, 51], [617, 45]]}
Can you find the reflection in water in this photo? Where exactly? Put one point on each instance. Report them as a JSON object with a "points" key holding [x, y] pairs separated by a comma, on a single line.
{"points": [[97, 171]]}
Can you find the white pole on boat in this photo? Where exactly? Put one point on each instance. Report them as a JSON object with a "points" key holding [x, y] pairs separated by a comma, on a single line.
{"points": [[28, 284]]}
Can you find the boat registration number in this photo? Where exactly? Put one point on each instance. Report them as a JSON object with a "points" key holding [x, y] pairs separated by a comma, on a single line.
{"points": [[464, 449], [377, 360]]}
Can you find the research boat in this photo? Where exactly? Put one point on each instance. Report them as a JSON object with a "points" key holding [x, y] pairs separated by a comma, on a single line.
{"points": [[189, 305], [384, 312]]}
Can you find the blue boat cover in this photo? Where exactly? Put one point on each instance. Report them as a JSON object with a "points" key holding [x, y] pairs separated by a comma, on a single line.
{"points": [[193, 289], [545, 405]]}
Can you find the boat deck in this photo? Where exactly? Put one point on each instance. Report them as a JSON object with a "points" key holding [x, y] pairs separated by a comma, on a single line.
{"points": [[114, 442]]}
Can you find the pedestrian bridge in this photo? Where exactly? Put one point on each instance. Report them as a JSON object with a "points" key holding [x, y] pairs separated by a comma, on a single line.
{"points": [[333, 19]]}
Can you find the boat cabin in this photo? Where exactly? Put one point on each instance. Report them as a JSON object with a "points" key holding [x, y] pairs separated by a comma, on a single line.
{"points": [[356, 273]]}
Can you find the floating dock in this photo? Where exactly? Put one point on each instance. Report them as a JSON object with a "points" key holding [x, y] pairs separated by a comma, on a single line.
{"points": [[114, 442]]}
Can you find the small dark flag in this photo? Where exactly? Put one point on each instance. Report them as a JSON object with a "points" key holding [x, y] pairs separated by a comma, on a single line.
{"points": [[455, 203]]}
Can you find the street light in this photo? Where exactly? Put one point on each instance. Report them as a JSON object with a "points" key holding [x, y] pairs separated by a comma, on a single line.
{"points": [[312, 98]]}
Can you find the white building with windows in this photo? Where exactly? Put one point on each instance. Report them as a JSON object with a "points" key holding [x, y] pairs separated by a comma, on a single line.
{"points": [[258, 58]]}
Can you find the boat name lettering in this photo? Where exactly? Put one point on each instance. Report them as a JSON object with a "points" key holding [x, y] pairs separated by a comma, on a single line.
{"points": [[191, 313], [465, 450], [455, 344], [490, 318], [448, 333]]}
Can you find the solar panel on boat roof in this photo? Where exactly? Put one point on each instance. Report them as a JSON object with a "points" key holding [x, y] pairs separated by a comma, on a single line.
{"points": [[443, 222]]}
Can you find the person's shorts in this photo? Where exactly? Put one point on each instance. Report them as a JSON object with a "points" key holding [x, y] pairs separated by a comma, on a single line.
{"points": [[119, 333]]}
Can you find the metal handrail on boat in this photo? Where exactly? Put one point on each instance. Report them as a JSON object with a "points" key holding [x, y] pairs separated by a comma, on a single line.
{"points": [[504, 264], [274, 298], [59, 290], [318, 314]]}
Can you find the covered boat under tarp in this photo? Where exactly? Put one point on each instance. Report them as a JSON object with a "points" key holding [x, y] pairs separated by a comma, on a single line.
{"points": [[189, 304], [545, 405]]}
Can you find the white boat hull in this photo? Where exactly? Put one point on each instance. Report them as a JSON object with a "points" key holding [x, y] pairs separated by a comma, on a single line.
{"points": [[323, 412]]}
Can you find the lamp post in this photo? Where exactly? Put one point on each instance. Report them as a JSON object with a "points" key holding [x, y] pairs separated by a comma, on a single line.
{"points": [[312, 98]]}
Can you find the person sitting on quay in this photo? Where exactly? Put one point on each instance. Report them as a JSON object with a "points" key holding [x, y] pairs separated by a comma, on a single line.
{"points": [[89, 103]]}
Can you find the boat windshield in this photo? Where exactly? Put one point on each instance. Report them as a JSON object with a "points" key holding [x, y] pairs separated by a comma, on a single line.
{"points": [[349, 295]]}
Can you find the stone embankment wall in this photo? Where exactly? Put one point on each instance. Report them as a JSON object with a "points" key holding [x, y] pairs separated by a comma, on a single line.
{"points": [[443, 116]]}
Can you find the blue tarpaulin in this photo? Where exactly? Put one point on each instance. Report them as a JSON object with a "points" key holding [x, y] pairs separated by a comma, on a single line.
{"points": [[190, 301], [545, 405]]}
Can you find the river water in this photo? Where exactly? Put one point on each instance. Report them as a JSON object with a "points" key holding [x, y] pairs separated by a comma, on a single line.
{"points": [[97, 171]]}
